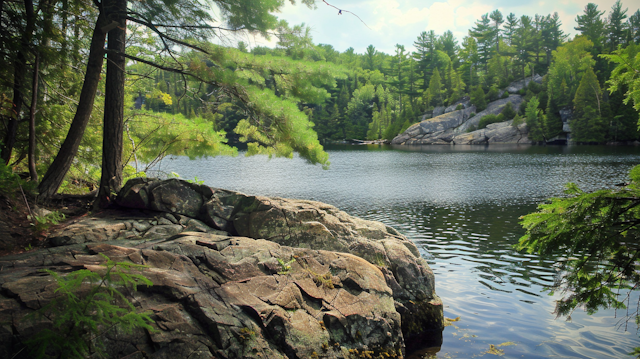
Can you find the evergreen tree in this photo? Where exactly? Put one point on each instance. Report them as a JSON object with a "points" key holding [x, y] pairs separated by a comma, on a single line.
{"points": [[510, 27], [523, 43], [435, 89], [508, 112], [533, 117], [498, 20], [590, 24], [633, 28], [470, 58], [478, 98], [425, 55], [587, 123], [484, 34], [616, 32], [449, 45]]}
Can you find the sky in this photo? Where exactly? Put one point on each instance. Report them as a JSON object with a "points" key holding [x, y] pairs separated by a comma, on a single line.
{"points": [[391, 22]]}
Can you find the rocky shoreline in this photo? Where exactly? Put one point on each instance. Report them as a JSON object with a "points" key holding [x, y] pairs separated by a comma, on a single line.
{"points": [[238, 276]]}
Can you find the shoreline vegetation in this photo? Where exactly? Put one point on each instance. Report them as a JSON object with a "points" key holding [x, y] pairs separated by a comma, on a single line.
{"points": [[68, 127]]}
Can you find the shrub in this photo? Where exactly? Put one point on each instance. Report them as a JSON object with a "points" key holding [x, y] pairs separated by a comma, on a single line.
{"points": [[459, 107], [489, 119], [517, 121], [80, 317], [505, 94], [534, 87], [478, 98], [508, 112], [493, 93], [44, 222], [471, 128]]}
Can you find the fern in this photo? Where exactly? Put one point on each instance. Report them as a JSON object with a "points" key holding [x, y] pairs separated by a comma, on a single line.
{"points": [[80, 317]]}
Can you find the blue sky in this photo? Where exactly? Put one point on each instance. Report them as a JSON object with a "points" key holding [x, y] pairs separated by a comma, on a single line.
{"points": [[392, 22]]}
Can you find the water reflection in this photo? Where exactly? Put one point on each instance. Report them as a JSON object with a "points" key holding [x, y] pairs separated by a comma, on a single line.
{"points": [[460, 205]]}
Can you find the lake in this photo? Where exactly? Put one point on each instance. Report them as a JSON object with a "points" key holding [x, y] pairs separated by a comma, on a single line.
{"points": [[460, 205]]}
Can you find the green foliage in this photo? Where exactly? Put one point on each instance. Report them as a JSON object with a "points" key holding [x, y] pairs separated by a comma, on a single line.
{"points": [[478, 98], [587, 122], [534, 119], [570, 61], [88, 305], [596, 234], [44, 222], [517, 121], [626, 73], [489, 119], [152, 136], [9, 181], [285, 266], [435, 89], [508, 112], [492, 95]]}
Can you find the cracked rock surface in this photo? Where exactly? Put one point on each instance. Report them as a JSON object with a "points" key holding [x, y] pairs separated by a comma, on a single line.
{"points": [[238, 276]]}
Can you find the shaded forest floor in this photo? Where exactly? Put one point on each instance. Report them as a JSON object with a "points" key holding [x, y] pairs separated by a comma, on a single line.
{"points": [[18, 232]]}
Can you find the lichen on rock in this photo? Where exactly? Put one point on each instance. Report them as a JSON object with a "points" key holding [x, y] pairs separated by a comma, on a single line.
{"points": [[239, 276]]}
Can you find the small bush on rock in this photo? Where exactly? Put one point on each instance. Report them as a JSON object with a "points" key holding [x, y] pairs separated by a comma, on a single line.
{"points": [[81, 315], [489, 119]]}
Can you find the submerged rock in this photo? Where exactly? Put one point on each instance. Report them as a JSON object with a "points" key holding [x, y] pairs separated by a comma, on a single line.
{"points": [[239, 276]]}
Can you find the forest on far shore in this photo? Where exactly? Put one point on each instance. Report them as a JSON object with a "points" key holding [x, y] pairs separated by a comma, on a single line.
{"points": [[179, 94], [379, 95]]}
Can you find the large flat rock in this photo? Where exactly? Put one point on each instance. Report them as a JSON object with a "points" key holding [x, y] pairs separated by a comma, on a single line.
{"points": [[238, 276]]}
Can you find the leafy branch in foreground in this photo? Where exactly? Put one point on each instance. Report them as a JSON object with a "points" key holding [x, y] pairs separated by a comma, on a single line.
{"points": [[90, 304], [596, 235]]}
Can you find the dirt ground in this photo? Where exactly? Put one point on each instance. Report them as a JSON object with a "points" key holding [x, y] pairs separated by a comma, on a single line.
{"points": [[17, 231]]}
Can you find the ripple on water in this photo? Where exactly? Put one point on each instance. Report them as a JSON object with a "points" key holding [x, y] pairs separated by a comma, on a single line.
{"points": [[460, 205]]}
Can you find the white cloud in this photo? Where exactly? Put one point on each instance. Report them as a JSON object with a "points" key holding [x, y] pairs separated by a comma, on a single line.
{"points": [[393, 22]]}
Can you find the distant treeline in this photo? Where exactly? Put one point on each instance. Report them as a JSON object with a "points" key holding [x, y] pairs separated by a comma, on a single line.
{"points": [[382, 94]]}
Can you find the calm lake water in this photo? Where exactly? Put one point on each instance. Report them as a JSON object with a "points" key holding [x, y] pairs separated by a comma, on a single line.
{"points": [[460, 205]]}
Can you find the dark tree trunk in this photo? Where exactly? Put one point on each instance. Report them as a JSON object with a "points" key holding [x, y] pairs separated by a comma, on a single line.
{"points": [[112, 139], [19, 69], [32, 121], [58, 169]]}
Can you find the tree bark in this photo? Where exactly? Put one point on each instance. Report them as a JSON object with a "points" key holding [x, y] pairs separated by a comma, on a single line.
{"points": [[61, 164], [32, 121], [112, 140], [19, 69]]}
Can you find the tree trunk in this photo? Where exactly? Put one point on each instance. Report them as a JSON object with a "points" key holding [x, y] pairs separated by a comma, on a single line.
{"points": [[61, 164], [112, 139], [19, 69], [32, 121]]}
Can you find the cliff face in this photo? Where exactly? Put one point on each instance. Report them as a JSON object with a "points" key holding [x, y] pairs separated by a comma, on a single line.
{"points": [[237, 276], [452, 127]]}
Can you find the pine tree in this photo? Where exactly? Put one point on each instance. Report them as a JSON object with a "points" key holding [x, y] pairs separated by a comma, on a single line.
{"points": [[435, 89], [587, 123], [478, 98], [533, 119]]}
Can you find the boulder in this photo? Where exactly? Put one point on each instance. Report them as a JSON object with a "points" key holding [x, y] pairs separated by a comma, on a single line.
{"points": [[516, 86], [502, 132], [313, 225], [237, 276], [218, 296], [452, 127], [437, 129]]}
